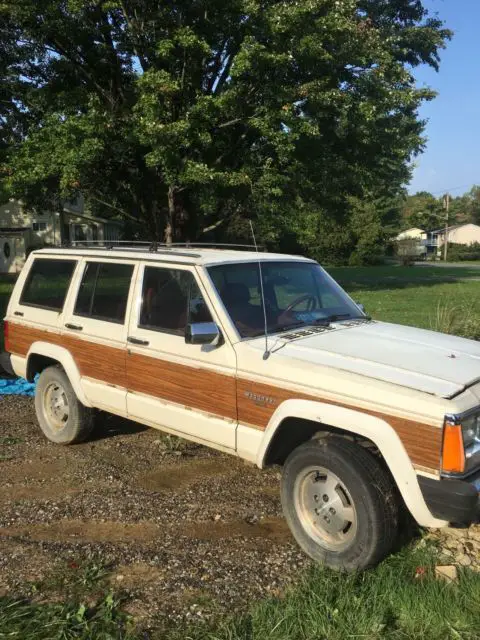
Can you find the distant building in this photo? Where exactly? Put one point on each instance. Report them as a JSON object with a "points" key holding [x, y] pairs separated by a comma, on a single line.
{"points": [[23, 229], [431, 242], [413, 233], [459, 234]]}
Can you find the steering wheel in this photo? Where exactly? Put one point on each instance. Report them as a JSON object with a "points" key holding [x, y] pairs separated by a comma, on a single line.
{"points": [[311, 306]]}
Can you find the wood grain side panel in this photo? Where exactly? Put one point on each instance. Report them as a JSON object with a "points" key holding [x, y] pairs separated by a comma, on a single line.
{"points": [[422, 442], [98, 361], [93, 359], [193, 387], [21, 338]]}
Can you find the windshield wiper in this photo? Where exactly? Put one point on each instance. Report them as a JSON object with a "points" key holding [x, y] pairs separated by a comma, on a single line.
{"points": [[292, 325]]}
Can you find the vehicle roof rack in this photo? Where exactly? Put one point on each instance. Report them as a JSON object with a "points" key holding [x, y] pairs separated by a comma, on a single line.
{"points": [[151, 246]]}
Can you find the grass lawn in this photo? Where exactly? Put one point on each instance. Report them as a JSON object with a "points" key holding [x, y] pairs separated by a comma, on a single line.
{"points": [[399, 600], [415, 295]]}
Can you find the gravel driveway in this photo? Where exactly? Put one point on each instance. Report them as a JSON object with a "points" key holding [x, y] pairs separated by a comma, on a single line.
{"points": [[184, 530]]}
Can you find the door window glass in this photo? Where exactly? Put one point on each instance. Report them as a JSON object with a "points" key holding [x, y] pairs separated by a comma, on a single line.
{"points": [[103, 292], [47, 283], [170, 299]]}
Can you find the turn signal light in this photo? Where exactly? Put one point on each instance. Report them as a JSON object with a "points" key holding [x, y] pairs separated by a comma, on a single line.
{"points": [[453, 456], [6, 341]]}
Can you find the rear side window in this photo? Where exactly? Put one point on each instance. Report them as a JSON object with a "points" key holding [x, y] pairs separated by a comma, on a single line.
{"points": [[47, 283], [103, 292]]}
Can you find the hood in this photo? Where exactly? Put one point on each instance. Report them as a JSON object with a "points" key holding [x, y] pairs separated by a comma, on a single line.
{"points": [[428, 361]]}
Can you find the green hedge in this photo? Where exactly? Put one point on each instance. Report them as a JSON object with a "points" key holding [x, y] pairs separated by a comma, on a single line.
{"points": [[460, 252]]}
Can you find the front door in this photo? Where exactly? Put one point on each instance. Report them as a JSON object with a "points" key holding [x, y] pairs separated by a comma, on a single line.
{"points": [[188, 389]]}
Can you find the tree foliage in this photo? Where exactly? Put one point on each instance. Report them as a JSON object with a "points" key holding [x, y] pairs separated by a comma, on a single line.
{"points": [[427, 211], [193, 115]]}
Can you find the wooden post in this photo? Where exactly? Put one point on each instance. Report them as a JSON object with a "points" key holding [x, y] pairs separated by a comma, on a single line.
{"points": [[446, 204]]}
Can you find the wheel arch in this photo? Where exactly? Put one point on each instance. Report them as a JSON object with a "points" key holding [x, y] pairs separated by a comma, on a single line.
{"points": [[42, 355], [304, 418]]}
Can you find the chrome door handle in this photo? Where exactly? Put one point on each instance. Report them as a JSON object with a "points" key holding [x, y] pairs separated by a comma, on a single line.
{"points": [[74, 327], [137, 341], [18, 313]]}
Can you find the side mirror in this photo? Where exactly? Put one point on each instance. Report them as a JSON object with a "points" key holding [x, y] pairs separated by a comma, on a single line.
{"points": [[202, 333], [361, 306]]}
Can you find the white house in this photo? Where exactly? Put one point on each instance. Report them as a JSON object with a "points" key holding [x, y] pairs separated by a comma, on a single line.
{"points": [[459, 234], [23, 229], [412, 234]]}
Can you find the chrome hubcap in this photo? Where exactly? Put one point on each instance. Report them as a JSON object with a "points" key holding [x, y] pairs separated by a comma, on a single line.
{"points": [[325, 508], [55, 403]]}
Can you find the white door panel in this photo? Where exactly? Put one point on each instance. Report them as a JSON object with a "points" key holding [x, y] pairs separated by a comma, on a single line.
{"points": [[190, 389]]}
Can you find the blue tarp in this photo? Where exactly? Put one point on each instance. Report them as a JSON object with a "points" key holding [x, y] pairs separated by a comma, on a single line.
{"points": [[16, 387]]}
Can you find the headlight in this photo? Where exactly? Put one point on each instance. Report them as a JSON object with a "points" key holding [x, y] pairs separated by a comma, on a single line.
{"points": [[471, 431]]}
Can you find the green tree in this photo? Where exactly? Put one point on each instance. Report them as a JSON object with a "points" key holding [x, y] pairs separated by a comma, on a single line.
{"points": [[422, 210], [195, 114]]}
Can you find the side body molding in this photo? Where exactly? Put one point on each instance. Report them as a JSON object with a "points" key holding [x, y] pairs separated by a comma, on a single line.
{"points": [[368, 426], [64, 357]]}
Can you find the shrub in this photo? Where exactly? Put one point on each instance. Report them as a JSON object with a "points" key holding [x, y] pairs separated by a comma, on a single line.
{"points": [[461, 252]]}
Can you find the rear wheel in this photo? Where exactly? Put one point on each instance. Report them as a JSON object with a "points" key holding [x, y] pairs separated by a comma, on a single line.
{"points": [[340, 503], [62, 418]]}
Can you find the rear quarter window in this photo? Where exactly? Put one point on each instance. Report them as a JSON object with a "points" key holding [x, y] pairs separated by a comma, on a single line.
{"points": [[47, 283]]}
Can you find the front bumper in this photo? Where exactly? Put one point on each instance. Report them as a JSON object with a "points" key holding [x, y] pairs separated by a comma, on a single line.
{"points": [[457, 501]]}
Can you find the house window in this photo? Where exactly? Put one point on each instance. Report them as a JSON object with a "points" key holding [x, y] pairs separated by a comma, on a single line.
{"points": [[47, 284], [39, 226], [80, 232], [103, 292]]}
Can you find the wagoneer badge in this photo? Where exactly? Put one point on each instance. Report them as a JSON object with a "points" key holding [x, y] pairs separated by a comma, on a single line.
{"points": [[260, 400]]}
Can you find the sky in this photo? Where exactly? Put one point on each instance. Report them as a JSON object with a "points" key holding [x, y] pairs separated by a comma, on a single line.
{"points": [[451, 161]]}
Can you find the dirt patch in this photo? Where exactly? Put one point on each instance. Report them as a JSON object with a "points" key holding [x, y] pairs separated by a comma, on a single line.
{"points": [[273, 529], [133, 575], [86, 531], [182, 475], [16, 471]]}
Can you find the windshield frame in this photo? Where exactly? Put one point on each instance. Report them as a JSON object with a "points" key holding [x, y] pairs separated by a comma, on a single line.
{"points": [[360, 315]]}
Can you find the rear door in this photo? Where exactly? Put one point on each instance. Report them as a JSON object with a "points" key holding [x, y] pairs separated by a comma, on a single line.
{"points": [[188, 389], [95, 329], [35, 310]]}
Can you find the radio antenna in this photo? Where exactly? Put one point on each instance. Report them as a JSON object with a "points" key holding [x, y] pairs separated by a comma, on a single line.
{"points": [[266, 355]]}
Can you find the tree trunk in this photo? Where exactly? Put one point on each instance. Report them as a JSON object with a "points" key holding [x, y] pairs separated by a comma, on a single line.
{"points": [[170, 216]]}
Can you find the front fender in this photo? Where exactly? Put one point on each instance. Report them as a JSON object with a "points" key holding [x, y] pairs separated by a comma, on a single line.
{"points": [[374, 429], [63, 357]]}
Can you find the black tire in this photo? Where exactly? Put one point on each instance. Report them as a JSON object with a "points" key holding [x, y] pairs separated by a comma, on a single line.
{"points": [[54, 390], [365, 492]]}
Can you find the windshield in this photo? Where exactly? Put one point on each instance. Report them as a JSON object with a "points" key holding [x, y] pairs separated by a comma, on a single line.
{"points": [[296, 294]]}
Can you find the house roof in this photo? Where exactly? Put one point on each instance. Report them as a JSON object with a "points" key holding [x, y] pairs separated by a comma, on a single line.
{"points": [[455, 226]]}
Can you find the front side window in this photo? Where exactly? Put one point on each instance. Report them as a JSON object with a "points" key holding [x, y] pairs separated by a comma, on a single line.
{"points": [[47, 283], [171, 298], [103, 292], [296, 294]]}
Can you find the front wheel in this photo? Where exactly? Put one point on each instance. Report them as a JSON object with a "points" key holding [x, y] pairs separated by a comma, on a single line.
{"points": [[340, 503]]}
